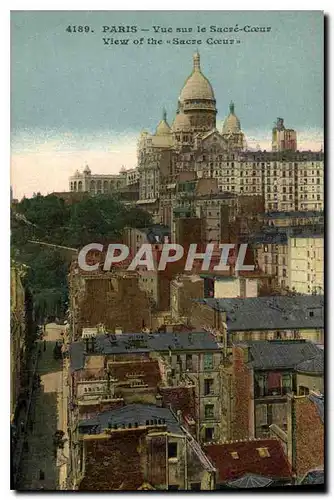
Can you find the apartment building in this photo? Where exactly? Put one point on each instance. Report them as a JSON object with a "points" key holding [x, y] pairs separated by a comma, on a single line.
{"points": [[293, 256], [305, 418], [305, 258], [261, 318], [193, 357], [263, 374]]}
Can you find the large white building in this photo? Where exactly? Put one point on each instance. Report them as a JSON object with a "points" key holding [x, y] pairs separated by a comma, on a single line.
{"points": [[102, 183], [286, 179]]}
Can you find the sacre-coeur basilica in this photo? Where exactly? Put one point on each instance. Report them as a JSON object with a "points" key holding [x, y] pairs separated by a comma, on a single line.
{"points": [[189, 165]]}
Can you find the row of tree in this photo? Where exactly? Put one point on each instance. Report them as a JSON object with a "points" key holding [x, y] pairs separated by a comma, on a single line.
{"points": [[50, 219]]}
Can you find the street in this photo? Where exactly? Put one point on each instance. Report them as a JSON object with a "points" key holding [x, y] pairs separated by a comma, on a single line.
{"points": [[39, 468]]}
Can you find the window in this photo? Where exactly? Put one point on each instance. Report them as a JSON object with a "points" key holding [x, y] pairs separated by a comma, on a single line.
{"points": [[234, 455], [208, 386], [286, 383], [189, 362], [172, 450], [209, 411], [208, 434], [303, 391], [263, 452], [208, 361], [284, 273]]}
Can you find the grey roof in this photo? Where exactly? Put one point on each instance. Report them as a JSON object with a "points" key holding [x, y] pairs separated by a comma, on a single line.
{"points": [[315, 476], [295, 214], [271, 313], [279, 235], [77, 355], [132, 343], [216, 196], [270, 237], [283, 354], [250, 481], [318, 400], [314, 365], [156, 230], [131, 415], [317, 232]]}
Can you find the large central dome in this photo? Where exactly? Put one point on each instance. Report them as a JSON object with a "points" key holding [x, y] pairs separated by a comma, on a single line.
{"points": [[197, 86]]}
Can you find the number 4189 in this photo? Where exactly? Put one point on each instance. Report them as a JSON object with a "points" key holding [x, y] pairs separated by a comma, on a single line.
{"points": [[78, 29]]}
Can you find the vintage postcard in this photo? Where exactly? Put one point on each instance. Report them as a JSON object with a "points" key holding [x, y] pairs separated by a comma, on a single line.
{"points": [[167, 250]]}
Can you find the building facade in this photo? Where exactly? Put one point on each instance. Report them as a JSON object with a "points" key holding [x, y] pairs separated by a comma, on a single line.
{"points": [[94, 184], [17, 333], [287, 179]]}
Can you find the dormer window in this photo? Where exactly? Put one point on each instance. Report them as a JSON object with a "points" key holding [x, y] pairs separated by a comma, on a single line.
{"points": [[263, 452]]}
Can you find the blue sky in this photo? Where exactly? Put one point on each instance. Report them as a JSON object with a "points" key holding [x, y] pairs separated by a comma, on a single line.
{"points": [[72, 85]]}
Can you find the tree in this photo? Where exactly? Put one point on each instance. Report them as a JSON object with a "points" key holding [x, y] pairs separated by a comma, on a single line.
{"points": [[49, 219]]}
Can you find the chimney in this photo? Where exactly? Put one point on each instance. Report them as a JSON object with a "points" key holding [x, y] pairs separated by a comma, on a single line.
{"points": [[158, 400]]}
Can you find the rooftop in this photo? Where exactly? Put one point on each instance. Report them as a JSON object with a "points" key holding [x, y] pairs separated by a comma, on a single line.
{"points": [[315, 476], [294, 214], [130, 416], [156, 233], [319, 402], [279, 235], [314, 365], [259, 456], [131, 343], [270, 313], [284, 354]]}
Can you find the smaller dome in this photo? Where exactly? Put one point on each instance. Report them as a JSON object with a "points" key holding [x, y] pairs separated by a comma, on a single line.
{"points": [[163, 128], [232, 122], [181, 122]]}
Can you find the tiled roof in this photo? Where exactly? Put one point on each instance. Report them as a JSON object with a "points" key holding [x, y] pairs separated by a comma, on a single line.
{"points": [[314, 365], [280, 354], [297, 214], [319, 403], [315, 476], [248, 460], [250, 481], [132, 415], [141, 343], [271, 313], [271, 238]]}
